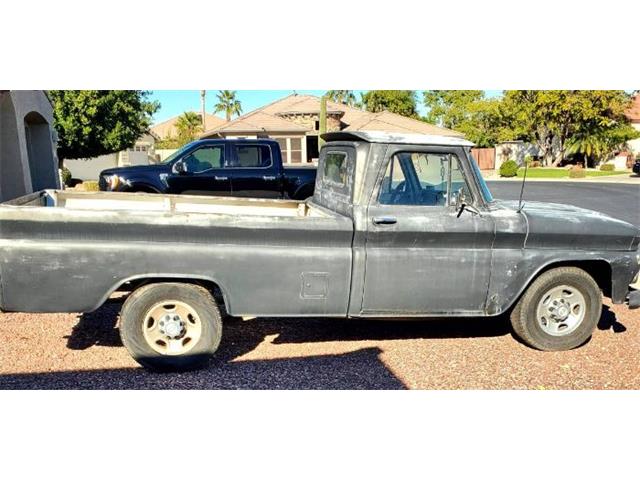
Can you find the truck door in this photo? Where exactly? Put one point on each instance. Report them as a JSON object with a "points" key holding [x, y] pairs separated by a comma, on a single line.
{"points": [[421, 258], [254, 172], [202, 172]]}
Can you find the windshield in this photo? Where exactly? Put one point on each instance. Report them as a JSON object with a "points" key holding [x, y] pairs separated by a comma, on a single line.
{"points": [[176, 154], [484, 189]]}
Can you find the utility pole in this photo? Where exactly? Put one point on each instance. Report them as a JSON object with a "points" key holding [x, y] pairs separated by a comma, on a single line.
{"points": [[323, 120], [203, 94]]}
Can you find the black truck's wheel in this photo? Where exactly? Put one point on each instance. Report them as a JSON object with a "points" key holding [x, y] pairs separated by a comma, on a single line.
{"points": [[559, 310], [171, 326]]}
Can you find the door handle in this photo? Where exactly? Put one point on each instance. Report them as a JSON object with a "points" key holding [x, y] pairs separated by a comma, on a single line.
{"points": [[220, 178], [269, 177], [385, 220]]}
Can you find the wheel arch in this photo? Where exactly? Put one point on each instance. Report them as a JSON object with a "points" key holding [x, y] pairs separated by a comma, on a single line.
{"points": [[599, 269], [305, 187], [134, 282]]}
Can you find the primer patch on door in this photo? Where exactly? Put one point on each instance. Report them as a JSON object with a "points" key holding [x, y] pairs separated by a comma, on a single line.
{"points": [[314, 285]]}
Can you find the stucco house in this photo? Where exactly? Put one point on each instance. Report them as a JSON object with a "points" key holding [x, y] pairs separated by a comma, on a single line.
{"points": [[294, 121], [28, 160]]}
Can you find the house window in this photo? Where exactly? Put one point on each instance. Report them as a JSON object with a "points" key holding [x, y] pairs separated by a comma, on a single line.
{"points": [[296, 150]]}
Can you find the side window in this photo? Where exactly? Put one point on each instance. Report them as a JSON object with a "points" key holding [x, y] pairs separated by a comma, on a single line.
{"points": [[419, 178], [335, 168], [252, 156], [458, 183], [205, 159]]}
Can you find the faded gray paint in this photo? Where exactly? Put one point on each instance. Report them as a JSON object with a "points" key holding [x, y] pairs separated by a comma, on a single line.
{"points": [[337, 263]]}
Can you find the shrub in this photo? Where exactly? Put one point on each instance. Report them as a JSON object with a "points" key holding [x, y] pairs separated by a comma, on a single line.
{"points": [[607, 167], [66, 176], [509, 169], [577, 172], [535, 164]]}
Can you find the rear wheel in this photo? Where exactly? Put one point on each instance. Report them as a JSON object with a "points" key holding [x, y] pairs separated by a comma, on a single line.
{"points": [[171, 326], [559, 310]]}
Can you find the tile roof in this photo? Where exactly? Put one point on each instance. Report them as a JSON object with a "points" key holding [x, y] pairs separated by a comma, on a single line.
{"points": [[392, 122], [257, 121], [168, 127], [269, 118]]}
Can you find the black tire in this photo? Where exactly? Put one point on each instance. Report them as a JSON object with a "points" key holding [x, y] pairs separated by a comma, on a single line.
{"points": [[143, 299], [523, 316]]}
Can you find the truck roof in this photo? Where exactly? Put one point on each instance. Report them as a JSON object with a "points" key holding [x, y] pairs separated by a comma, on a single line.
{"points": [[404, 138]]}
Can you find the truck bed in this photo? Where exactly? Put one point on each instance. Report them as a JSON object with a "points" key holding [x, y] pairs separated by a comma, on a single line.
{"points": [[115, 201], [93, 242]]}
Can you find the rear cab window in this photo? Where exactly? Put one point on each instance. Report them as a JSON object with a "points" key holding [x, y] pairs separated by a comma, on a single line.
{"points": [[334, 183], [251, 156]]}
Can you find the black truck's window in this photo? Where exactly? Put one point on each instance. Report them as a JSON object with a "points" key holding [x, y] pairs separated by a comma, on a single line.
{"points": [[205, 158], [252, 156], [418, 178], [335, 167]]}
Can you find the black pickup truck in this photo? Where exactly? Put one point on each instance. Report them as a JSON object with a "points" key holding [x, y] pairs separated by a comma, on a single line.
{"points": [[239, 168]]}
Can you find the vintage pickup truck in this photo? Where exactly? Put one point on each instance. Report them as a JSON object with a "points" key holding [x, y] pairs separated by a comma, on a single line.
{"points": [[399, 226], [222, 167]]}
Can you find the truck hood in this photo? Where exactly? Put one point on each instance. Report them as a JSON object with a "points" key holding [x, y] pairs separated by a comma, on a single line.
{"points": [[145, 169], [553, 225]]}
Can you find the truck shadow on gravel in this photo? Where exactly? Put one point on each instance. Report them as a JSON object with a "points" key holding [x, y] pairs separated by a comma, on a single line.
{"points": [[362, 368]]}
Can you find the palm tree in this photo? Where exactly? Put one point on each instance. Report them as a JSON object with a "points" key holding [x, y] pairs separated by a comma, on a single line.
{"points": [[228, 103], [188, 125], [346, 97], [203, 95]]}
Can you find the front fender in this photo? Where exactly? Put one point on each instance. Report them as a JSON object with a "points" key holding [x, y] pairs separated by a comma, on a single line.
{"points": [[514, 270]]}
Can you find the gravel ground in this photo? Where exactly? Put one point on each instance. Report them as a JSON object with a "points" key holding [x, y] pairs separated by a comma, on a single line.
{"points": [[72, 351]]}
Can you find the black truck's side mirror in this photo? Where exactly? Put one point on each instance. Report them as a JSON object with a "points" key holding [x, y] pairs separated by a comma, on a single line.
{"points": [[180, 167]]}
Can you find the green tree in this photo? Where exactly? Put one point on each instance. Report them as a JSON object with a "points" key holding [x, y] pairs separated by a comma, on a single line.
{"points": [[468, 112], [450, 108], [98, 122], [228, 103], [188, 126], [346, 97], [402, 102], [557, 119]]}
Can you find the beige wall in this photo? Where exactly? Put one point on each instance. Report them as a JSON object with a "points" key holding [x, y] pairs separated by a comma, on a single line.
{"points": [[28, 158], [514, 151], [635, 144], [90, 168]]}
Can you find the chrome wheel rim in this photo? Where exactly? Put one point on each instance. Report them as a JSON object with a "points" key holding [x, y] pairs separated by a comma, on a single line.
{"points": [[561, 310], [172, 327]]}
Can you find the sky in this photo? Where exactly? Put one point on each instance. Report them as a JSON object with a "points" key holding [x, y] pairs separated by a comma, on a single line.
{"points": [[176, 102]]}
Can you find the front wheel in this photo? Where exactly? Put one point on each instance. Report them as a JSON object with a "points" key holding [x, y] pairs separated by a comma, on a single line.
{"points": [[171, 326], [559, 310]]}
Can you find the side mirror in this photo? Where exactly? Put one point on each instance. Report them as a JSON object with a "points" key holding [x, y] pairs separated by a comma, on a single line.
{"points": [[462, 203], [180, 167]]}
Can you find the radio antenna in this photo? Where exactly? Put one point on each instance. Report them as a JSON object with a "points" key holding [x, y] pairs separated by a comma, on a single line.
{"points": [[520, 204]]}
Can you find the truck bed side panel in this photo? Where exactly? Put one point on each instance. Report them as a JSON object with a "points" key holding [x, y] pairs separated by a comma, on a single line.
{"points": [[74, 261]]}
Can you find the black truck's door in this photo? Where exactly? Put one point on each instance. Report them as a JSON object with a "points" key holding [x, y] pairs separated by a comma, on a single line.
{"points": [[254, 171], [421, 258], [203, 172]]}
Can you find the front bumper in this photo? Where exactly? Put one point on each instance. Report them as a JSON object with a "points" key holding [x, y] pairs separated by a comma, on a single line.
{"points": [[633, 299]]}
